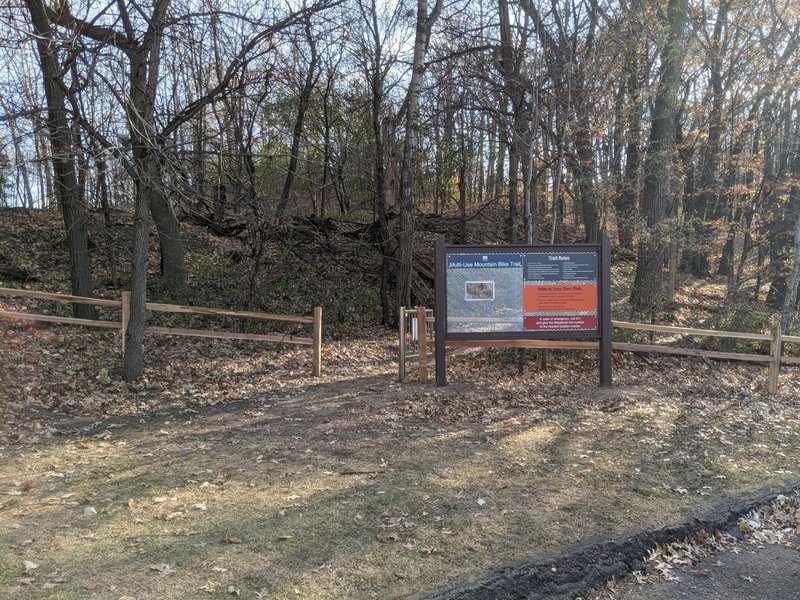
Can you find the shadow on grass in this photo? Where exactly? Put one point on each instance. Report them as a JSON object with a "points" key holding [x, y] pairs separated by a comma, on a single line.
{"points": [[329, 490]]}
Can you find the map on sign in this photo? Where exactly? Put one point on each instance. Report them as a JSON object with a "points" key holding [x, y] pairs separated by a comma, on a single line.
{"points": [[519, 292], [484, 292]]}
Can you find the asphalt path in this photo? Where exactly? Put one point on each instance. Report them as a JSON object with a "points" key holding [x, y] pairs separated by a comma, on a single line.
{"points": [[769, 572], [743, 571]]}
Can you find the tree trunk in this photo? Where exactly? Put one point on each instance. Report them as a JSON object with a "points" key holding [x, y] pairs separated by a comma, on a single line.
{"points": [[102, 190], [510, 66], [63, 147], [327, 125], [587, 197], [628, 190], [556, 226], [530, 180], [793, 280], [462, 183], [513, 189], [382, 129], [405, 236], [297, 133], [173, 261], [144, 62], [388, 211], [133, 362], [19, 158], [648, 287], [491, 159], [790, 296], [144, 69], [481, 159]]}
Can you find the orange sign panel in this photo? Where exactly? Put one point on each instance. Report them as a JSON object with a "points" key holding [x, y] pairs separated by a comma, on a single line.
{"points": [[559, 298]]}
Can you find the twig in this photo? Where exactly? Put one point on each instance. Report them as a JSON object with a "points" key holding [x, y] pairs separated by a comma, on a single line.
{"points": [[709, 364]]}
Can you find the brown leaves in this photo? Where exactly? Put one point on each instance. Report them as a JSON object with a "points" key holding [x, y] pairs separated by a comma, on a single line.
{"points": [[28, 567], [775, 523], [163, 569], [772, 524], [665, 558]]}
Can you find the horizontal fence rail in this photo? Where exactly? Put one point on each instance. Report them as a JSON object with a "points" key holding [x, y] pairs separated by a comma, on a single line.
{"points": [[690, 331], [774, 359], [315, 341], [63, 320], [60, 298], [221, 312]]}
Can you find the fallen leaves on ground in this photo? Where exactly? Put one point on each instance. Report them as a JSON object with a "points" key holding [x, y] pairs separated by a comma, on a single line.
{"points": [[664, 559], [163, 569], [774, 523]]}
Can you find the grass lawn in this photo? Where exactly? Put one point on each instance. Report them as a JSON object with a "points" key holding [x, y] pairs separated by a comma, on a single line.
{"points": [[228, 472]]}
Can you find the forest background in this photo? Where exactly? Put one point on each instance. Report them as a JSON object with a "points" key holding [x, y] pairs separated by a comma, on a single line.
{"points": [[674, 127], [277, 156]]}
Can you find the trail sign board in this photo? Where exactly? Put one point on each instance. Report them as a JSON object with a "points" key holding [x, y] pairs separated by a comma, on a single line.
{"points": [[495, 293]]}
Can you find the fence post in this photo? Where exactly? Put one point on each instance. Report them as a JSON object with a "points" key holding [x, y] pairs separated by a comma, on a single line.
{"points": [[317, 351], [126, 316], [402, 332], [775, 353], [422, 336]]}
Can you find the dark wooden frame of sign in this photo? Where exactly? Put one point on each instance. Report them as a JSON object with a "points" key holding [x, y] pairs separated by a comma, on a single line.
{"points": [[603, 305]]}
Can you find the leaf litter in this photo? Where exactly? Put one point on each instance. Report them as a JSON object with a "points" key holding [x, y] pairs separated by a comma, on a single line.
{"points": [[388, 472], [775, 523]]}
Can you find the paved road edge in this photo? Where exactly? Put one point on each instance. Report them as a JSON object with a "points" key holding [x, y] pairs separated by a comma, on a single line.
{"points": [[572, 571]]}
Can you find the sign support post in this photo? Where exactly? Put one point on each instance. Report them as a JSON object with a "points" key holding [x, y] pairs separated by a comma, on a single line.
{"points": [[605, 311], [440, 305]]}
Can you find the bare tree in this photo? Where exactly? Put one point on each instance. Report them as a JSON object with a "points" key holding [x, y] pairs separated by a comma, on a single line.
{"points": [[704, 206], [648, 286], [376, 57], [425, 21], [311, 76], [568, 46], [63, 147], [510, 64]]}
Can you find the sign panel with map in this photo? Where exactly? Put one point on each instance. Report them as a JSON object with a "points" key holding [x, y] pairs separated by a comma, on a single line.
{"points": [[526, 291], [504, 294]]}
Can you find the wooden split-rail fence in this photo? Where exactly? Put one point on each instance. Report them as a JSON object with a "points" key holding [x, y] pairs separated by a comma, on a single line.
{"points": [[415, 321], [123, 305]]}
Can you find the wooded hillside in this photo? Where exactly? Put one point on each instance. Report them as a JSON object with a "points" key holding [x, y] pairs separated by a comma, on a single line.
{"points": [[358, 131]]}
